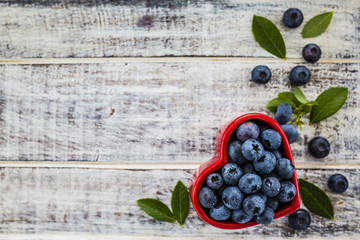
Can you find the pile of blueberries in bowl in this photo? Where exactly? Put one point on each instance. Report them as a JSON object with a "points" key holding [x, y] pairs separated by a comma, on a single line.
{"points": [[254, 183]]}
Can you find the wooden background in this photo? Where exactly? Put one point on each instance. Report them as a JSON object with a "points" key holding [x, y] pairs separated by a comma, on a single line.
{"points": [[105, 102]]}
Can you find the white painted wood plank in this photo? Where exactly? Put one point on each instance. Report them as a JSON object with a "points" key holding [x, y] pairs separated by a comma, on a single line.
{"points": [[104, 201], [155, 112], [36, 29]]}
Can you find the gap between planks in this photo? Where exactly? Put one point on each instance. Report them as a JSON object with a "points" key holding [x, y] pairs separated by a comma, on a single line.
{"points": [[151, 166], [161, 60], [81, 236]]}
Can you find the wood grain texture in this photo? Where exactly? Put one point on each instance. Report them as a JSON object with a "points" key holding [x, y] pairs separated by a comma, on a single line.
{"points": [[154, 112], [104, 201], [37, 29]]}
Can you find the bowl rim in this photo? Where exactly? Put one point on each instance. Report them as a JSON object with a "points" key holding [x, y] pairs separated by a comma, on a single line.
{"points": [[220, 159]]}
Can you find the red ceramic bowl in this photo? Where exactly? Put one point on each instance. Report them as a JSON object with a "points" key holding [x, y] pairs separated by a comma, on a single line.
{"points": [[221, 158]]}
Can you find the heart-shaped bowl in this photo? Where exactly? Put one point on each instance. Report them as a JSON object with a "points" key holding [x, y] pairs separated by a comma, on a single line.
{"points": [[221, 158]]}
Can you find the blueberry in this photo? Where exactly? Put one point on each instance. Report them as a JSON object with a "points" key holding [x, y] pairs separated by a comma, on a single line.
{"points": [[262, 195], [270, 186], [248, 168], [319, 147], [247, 130], [293, 18], [300, 75], [284, 168], [253, 205], [240, 216], [261, 74], [207, 198], [250, 183], [338, 183], [277, 154], [252, 150], [272, 203], [311, 52], [220, 212], [290, 132], [283, 113], [300, 219], [271, 139], [287, 192], [231, 173], [214, 181], [232, 197], [266, 163], [266, 217], [234, 152]]}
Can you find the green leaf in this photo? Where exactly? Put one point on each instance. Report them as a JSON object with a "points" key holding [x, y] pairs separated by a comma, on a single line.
{"points": [[290, 96], [329, 102], [273, 104], [317, 25], [299, 95], [180, 202], [316, 199], [268, 36], [156, 209]]}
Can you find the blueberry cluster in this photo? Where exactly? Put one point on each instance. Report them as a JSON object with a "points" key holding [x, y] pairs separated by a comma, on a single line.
{"points": [[255, 182]]}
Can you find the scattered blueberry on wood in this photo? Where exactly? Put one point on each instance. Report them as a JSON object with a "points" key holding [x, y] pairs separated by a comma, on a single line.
{"points": [[338, 183], [293, 18], [300, 219]]}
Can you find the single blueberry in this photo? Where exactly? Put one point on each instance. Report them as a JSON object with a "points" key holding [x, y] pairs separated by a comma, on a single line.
{"points": [[214, 181], [266, 217], [248, 168], [319, 147], [290, 132], [277, 154], [220, 212], [284, 168], [300, 219], [253, 205], [271, 139], [240, 216], [293, 18], [272, 203], [270, 186], [266, 164], [283, 113], [338, 183], [261, 74], [247, 130], [287, 192], [232, 197], [231, 173], [300, 75], [207, 197], [234, 153], [311, 52], [250, 183], [252, 150]]}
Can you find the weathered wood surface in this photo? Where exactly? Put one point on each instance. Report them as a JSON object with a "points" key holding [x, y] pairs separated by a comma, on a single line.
{"points": [[36, 29], [42, 200], [155, 112]]}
